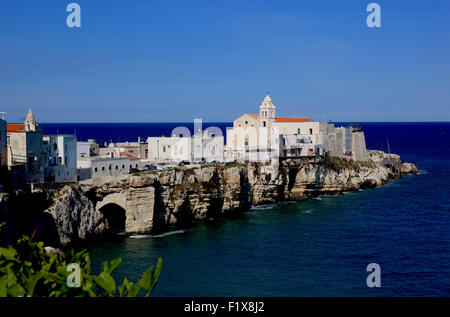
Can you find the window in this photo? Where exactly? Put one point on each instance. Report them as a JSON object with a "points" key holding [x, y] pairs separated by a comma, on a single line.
{"points": [[123, 166], [131, 166], [136, 166], [246, 122], [264, 124], [8, 140], [59, 160], [164, 148], [117, 167], [96, 169], [110, 167], [103, 168], [310, 131], [298, 131], [55, 146]]}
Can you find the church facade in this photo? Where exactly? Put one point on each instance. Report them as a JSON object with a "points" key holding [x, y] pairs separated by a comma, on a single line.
{"points": [[262, 136], [265, 135]]}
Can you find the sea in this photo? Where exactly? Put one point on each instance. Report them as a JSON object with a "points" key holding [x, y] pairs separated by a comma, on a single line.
{"points": [[319, 247]]}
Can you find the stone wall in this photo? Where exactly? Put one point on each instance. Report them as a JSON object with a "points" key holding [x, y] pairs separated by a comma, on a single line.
{"points": [[359, 152]]}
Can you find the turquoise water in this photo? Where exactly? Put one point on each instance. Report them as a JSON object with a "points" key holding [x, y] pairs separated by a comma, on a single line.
{"points": [[319, 247]]}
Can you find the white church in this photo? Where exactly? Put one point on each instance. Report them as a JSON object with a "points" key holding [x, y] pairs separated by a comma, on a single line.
{"points": [[259, 137]]}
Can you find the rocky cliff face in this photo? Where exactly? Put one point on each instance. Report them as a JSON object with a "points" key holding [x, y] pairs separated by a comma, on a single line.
{"points": [[156, 201]]}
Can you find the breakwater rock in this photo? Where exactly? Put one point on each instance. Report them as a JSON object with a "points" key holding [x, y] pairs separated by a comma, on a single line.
{"points": [[153, 202]]}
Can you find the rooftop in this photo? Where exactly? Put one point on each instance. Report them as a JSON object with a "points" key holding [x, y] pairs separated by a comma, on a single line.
{"points": [[15, 128], [288, 119], [129, 155]]}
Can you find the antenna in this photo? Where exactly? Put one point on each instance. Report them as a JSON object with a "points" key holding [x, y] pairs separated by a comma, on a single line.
{"points": [[3, 114]]}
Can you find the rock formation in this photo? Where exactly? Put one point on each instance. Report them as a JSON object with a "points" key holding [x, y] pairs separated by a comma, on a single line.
{"points": [[156, 201]]}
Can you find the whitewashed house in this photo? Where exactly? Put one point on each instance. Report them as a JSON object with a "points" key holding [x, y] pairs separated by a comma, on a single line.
{"points": [[61, 155]]}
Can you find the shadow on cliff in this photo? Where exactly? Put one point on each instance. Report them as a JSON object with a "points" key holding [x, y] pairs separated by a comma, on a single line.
{"points": [[23, 214]]}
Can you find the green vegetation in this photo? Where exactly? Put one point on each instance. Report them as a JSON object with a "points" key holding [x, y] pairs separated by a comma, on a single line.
{"points": [[26, 270], [268, 178], [235, 164], [338, 164]]}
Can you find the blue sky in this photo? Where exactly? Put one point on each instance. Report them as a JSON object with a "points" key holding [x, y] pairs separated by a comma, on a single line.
{"points": [[150, 61]]}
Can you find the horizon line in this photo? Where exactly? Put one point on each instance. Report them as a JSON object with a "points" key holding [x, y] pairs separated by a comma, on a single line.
{"points": [[224, 122]]}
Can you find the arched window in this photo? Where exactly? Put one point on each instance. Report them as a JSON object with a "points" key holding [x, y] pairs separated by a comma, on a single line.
{"points": [[264, 124], [246, 140]]}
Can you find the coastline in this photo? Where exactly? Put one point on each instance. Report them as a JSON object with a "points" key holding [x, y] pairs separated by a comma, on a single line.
{"points": [[161, 201]]}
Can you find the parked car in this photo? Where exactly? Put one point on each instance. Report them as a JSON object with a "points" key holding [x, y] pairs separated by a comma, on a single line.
{"points": [[151, 167], [183, 163]]}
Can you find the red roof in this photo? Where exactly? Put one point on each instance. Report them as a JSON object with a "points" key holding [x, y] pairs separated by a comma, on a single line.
{"points": [[282, 119], [128, 154], [14, 127]]}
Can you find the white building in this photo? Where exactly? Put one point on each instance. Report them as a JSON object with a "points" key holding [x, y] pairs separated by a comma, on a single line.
{"points": [[87, 149], [97, 167], [139, 149], [206, 145], [264, 136], [61, 154], [25, 147]]}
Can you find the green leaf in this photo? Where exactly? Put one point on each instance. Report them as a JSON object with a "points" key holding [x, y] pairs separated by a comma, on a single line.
{"points": [[114, 265], [3, 283], [16, 291], [125, 287], [8, 253], [106, 282], [150, 278]]}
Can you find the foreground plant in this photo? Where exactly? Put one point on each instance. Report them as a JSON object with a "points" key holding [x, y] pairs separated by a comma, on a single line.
{"points": [[27, 270]]}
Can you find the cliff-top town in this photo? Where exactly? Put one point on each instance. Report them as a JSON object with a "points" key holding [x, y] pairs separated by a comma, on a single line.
{"points": [[40, 158]]}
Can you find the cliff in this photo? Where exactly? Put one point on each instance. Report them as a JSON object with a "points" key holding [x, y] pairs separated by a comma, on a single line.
{"points": [[156, 201]]}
